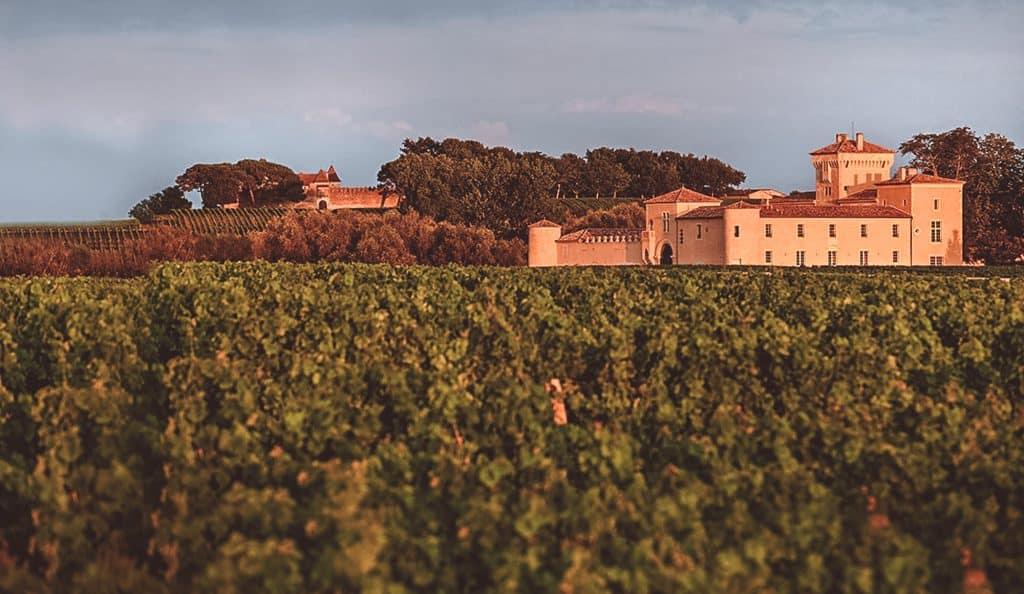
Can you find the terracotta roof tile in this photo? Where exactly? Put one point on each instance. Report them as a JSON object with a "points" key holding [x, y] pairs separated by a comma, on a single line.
{"points": [[319, 177], [749, 191], [716, 212], [850, 211], [602, 235], [920, 178], [704, 212], [868, 194], [544, 223], [798, 197], [850, 146], [681, 195]]}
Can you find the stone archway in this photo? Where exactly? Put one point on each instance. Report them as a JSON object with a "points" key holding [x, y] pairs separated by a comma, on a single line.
{"points": [[666, 255]]}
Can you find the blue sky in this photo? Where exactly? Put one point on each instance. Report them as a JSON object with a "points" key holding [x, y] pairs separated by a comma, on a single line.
{"points": [[105, 102]]}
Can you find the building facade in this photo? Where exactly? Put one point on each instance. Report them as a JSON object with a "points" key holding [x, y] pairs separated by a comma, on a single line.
{"points": [[859, 216]]}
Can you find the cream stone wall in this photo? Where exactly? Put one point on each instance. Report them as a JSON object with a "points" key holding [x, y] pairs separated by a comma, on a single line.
{"points": [[742, 231], [542, 247], [709, 249], [919, 200], [848, 243], [655, 236], [611, 253]]}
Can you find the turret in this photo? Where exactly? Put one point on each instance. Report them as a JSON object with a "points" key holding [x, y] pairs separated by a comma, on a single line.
{"points": [[543, 247]]}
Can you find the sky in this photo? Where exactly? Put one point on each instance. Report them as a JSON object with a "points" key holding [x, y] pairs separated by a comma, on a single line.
{"points": [[105, 102]]}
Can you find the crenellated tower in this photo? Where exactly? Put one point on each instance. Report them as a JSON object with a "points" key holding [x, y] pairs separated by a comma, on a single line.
{"points": [[848, 166]]}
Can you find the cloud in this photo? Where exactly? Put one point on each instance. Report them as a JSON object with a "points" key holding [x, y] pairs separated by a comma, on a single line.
{"points": [[330, 117], [626, 104], [490, 133]]}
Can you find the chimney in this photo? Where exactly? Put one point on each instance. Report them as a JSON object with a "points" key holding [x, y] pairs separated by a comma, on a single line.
{"points": [[860, 141], [841, 137], [907, 173]]}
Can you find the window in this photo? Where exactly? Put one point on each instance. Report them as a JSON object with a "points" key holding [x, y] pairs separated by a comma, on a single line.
{"points": [[863, 257], [831, 257], [768, 230], [936, 231], [768, 257], [800, 258], [800, 230], [700, 234], [831, 229], [863, 230], [650, 224], [935, 261], [736, 231], [895, 256], [935, 204], [895, 230], [664, 222], [681, 237]]}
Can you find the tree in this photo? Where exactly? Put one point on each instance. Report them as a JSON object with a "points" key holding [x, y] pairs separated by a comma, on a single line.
{"points": [[992, 168], [603, 175], [464, 182], [248, 182], [163, 202]]}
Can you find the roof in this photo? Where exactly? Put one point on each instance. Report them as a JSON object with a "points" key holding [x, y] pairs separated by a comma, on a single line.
{"points": [[681, 195], [869, 193], [850, 146], [320, 177], [798, 197], [597, 235], [544, 223], [919, 178], [704, 212], [849, 211], [715, 212], [749, 191]]}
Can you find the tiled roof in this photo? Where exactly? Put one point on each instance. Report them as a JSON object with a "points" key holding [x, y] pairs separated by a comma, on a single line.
{"points": [[544, 223], [704, 212], [850, 146], [319, 177], [871, 193], [602, 235], [749, 191], [920, 178], [681, 195], [715, 212], [850, 211], [798, 197]]}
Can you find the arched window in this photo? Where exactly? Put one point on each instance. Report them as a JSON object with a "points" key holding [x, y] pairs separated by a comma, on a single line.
{"points": [[650, 224], [322, 205]]}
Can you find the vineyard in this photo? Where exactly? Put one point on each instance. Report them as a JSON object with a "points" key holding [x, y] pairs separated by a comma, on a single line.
{"points": [[246, 428], [109, 235], [581, 206]]}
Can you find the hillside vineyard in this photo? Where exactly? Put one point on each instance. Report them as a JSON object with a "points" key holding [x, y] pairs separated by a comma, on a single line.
{"points": [[256, 427]]}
